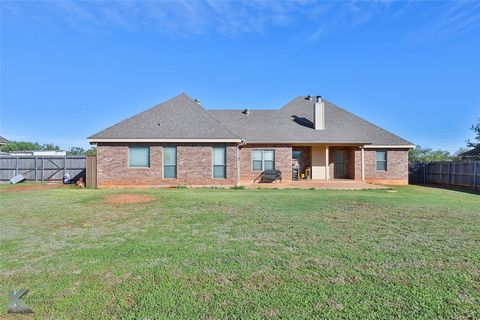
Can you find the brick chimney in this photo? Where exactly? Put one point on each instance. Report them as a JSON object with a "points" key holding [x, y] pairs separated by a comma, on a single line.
{"points": [[319, 113]]}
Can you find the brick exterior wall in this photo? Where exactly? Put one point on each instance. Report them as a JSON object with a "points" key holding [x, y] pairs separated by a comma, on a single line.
{"points": [[112, 166], [283, 161], [194, 166], [397, 167], [357, 154]]}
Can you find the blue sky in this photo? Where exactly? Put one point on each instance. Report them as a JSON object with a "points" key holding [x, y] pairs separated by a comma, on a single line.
{"points": [[70, 69]]}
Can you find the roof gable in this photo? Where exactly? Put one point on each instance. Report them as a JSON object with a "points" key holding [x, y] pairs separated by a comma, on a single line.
{"points": [[3, 140], [177, 118], [473, 153], [294, 123]]}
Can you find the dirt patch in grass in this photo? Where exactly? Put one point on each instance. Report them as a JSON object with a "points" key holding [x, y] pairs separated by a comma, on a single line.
{"points": [[64, 225], [127, 198], [30, 187]]}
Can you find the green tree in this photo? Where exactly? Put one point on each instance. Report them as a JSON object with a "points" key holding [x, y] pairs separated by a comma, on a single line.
{"points": [[50, 146], [428, 154], [74, 151], [21, 146], [476, 129], [27, 146], [91, 152]]}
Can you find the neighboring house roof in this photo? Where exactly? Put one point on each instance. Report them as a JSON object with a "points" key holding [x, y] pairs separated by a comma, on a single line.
{"points": [[39, 153], [294, 123], [177, 118], [183, 118], [471, 154], [3, 140]]}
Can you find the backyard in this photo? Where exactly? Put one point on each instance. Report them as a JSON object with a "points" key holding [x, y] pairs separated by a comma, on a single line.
{"points": [[406, 252]]}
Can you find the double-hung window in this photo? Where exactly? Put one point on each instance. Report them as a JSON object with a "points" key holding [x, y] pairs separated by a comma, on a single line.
{"points": [[139, 157], [170, 162], [263, 160], [382, 160], [219, 162]]}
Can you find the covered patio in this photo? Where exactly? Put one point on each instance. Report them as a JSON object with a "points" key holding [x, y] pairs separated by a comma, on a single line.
{"points": [[327, 162]]}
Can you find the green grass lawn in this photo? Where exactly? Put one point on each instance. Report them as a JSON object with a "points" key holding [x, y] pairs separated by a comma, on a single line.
{"points": [[215, 254]]}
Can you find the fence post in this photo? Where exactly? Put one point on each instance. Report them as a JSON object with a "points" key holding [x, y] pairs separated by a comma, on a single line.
{"points": [[425, 172], [16, 166], [64, 166], [449, 172], [43, 166], [36, 168], [475, 175]]}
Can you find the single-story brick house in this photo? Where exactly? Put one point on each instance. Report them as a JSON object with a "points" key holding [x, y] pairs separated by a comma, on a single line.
{"points": [[178, 142]]}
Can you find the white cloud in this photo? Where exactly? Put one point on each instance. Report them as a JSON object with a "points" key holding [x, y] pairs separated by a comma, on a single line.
{"points": [[231, 18], [451, 19], [175, 17]]}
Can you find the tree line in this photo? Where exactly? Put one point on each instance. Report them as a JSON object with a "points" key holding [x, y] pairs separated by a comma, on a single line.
{"points": [[35, 146], [428, 154]]}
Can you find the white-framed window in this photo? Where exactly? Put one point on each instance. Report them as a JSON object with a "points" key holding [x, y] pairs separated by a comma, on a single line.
{"points": [[263, 159], [219, 162], [382, 160], [139, 157], [170, 162]]}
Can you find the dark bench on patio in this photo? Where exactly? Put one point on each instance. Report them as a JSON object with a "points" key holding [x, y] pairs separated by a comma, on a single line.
{"points": [[270, 176]]}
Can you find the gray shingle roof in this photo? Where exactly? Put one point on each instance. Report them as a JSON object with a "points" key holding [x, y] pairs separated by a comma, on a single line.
{"points": [[3, 140], [177, 118], [294, 123], [473, 153], [183, 118]]}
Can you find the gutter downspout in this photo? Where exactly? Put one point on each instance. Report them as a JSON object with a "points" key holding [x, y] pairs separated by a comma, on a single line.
{"points": [[237, 182]]}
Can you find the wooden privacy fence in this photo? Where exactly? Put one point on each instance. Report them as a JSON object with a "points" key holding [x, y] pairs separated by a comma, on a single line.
{"points": [[461, 174], [42, 168], [91, 178]]}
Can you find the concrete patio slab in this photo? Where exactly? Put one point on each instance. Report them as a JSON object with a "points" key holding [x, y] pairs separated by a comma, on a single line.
{"points": [[315, 184]]}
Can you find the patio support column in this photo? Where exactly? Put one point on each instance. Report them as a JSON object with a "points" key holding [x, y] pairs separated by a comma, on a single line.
{"points": [[327, 168], [362, 149], [237, 164]]}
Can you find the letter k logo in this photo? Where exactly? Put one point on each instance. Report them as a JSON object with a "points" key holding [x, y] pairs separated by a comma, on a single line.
{"points": [[15, 305]]}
